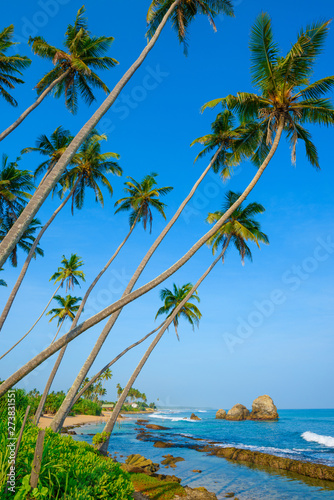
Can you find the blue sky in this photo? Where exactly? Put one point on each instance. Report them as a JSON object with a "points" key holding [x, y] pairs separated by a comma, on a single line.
{"points": [[285, 296]]}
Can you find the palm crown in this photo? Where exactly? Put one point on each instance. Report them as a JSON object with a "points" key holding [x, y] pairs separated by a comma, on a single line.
{"points": [[52, 147], [15, 187], [172, 298], [83, 53], [184, 13], [286, 94], [10, 66], [68, 307], [89, 168], [69, 272], [142, 197], [239, 227]]}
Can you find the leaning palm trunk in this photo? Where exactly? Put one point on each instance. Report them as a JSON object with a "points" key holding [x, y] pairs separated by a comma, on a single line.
{"points": [[33, 326], [65, 407], [33, 106], [29, 258], [74, 323], [93, 379], [68, 337], [103, 447], [46, 187]]}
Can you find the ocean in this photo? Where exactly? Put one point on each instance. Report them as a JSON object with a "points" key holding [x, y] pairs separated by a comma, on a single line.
{"points": [[300, 434]]}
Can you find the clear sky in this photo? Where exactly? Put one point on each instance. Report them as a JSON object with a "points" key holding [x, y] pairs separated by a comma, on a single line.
{"points": [[267, 327]]}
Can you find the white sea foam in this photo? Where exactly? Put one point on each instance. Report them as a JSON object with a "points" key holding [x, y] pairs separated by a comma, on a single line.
{"points": [[162, 416], [317, 438], [263, 449]]}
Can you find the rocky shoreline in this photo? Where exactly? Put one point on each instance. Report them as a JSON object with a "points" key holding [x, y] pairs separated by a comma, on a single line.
{"points": [[263, 408]]}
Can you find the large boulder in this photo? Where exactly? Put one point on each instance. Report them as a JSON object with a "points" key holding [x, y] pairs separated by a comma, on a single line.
{"points": [[194, 417], [221, 414], [238, 412], [263, 408], [138, 463]]}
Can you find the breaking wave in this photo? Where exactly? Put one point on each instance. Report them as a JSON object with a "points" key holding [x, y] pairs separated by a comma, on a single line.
{"points": [[317, 438]]}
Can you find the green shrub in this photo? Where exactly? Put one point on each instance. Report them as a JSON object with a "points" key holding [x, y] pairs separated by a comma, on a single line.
{"points": [[87, 407]]}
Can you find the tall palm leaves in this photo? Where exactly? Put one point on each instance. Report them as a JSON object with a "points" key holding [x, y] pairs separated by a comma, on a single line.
{"points": [[184, 13], [25, 243], [2, 282], [15, 187], [172, 298], [142, 197], [69, 272], [10, 66], [83, 53], [239, 227], [68, 308], [285, 91], [73, 73]]}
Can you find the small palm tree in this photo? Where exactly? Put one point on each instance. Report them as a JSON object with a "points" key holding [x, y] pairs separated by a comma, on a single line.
{"points": [[25, 243], [15, 187], [69, 272], [239, 227], [52, 148], [106, 375], [142, 197], [73, 73], [90, 167], [68, 308], [2, 282], [184, 12], [10, 66], [172, 298]]}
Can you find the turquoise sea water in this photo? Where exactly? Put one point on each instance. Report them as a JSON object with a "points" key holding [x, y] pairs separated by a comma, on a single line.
{"points": [[301, 434]]}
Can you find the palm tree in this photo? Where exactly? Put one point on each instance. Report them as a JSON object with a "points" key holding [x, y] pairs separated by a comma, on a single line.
{"points": [[172, 298], [25, 243], [68, 274], [89, 169], [302, 55], [68, 308], [73, 67], [52, 148], [15, 187], [239, 228], [2, 282], [142, 197], [217, 7], [230, 135], [10, 66], [106, 375]]}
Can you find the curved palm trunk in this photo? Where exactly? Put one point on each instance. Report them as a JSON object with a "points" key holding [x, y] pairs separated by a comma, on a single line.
{"points": [[33, 326], [33, 106], [68, 337], [93, 379], [65, 407], [44, 190], [75, 321], [103, 447], [29, 258]]}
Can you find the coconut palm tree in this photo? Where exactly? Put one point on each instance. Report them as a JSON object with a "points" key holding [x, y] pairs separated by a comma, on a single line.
{"points": [[143, 196], [2, 282], [88, 171], [217, 7], [52, 147], [73, 73], [10, 66], [240, 227], [25, 243], [68, 274], [68, 308], [15, 187], [172, 298], [302, 55]]}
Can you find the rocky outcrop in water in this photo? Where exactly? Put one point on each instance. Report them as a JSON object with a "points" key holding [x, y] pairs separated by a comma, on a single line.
{"points": [[263, 408], [221, 414], [194, 417], [238, 412]]}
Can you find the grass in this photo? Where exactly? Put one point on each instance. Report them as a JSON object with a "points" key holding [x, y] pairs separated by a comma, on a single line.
{"points": [[155, 488]]}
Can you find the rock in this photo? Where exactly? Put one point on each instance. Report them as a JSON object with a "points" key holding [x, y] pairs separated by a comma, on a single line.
{"points": [[156, 427], [162, 444], [238, 412], [194, 417], [263, 408], [138, 463], [72, 433], [229, 494], [198, 494], [142, 421], [221, 414], [171, 461], [197, 471]]}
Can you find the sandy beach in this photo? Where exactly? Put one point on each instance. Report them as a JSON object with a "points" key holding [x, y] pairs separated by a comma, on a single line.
{"points": [[77, 420]]}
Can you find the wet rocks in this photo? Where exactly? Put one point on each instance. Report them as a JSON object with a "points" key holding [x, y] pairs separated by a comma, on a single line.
{"points": [[198, 494], [263, 408], [138, 463], [194, 417], [237, 413], [221, 414], [162, 444], [170, 461], [156, 427]]}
